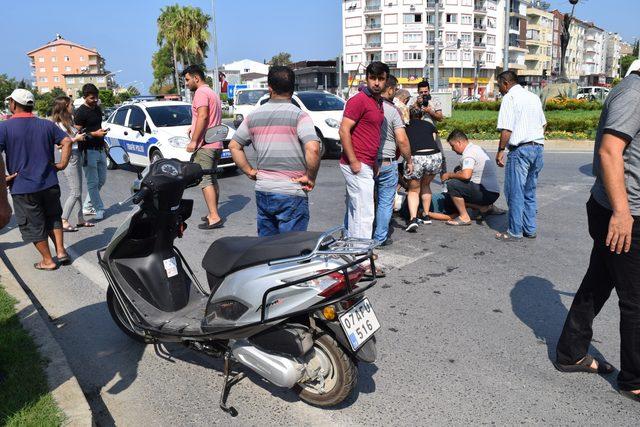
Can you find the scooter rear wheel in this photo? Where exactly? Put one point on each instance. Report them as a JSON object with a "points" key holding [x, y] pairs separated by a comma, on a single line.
{"points": [[339, 372], [115, 309]]}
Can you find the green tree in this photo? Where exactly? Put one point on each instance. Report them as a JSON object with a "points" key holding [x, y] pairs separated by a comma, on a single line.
{"points": [[133, 91], [107, 99], [625, 63], [44, 101], [636, 49], [7, 85], [182, 31], [283, 58]]}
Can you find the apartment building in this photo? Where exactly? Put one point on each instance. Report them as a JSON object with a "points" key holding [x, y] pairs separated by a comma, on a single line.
{"points": [[613, 49], [556, 49], [594, 53], [402, 34], [517, 35], [52, 63], [538, 59]]}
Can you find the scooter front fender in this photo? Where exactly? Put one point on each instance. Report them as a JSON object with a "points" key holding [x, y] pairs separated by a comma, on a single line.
{"points": [[367, 353]]}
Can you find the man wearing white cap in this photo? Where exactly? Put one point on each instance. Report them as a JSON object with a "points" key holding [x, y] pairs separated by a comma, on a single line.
{"points": [[28, 143]]}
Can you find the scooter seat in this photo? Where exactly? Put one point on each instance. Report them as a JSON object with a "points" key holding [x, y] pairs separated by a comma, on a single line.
{"points": [[229, 254]]}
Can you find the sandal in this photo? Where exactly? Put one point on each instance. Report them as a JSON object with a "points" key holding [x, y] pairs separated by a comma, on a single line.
{"points": [[457, 222], [506, 237], [64, 260], [585, 366], [69, 229], [86, 224], [369, 275], [38, 266]]}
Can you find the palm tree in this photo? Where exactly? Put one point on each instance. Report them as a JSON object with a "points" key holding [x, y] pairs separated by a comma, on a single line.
{"points": [[184, 29]]}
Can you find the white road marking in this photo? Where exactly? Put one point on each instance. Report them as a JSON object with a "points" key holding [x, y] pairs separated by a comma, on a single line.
{"points": [[390, 260]]}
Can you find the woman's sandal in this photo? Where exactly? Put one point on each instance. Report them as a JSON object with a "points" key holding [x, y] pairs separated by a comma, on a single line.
{"points": [[506, 237], [458, 222], [86, 224], [69, 229], [585, 366]]}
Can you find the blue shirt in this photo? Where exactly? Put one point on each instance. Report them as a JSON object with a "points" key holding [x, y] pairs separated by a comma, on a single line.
{"points": [[28, 143]]}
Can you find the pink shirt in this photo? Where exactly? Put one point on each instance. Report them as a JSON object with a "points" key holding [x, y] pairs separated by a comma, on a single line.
{"points": [[206, 97]]}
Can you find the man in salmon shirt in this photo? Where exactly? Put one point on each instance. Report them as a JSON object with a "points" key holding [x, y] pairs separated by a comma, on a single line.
{"points": [[360, 137], [206, 110]]}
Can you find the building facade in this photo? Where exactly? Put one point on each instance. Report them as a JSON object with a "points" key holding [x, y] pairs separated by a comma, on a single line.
{"points": [[52, 63], [316, 75], [402, 34], [538, 59], [594, 51], [556, 49], [613, 49]]}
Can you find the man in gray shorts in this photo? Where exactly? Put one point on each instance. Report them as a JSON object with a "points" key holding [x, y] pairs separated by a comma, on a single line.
{"points": [[476, 183]]}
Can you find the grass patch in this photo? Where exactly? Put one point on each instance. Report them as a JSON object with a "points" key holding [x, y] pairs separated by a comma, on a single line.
{"points": [[24, 394]]}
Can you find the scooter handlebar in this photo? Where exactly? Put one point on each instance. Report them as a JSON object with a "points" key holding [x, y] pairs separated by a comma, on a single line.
{"points": [[140, 195]]}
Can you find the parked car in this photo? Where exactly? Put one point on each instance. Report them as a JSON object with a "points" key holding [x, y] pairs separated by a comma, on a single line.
{"points": [[592, 93], [152, 130], [325, 109], [244, 102], [468, 99]]}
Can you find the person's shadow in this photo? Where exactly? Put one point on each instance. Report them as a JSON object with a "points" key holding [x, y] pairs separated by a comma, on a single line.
{"points": [[586, 169], [92, 243], [234, 203], [537, 304]]}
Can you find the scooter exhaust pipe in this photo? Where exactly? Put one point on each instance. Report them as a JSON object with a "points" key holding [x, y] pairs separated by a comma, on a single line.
{"points": [[279, 370]]}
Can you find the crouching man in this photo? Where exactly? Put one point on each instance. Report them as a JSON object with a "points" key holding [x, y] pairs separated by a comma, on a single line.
{"points": [[475, 184]]}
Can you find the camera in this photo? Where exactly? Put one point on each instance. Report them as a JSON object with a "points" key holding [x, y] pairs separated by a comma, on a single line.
{"points": [[425, 100]]}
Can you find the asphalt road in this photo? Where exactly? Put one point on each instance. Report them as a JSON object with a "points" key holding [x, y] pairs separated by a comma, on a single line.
{"points": [[468, 323]]}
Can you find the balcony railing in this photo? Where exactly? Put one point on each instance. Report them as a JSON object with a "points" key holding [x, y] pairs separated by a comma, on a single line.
{"points": [[373, 7], [432, 4], [480, 45], [479, 27], [373, 26], [373, 45], [478, 7]]}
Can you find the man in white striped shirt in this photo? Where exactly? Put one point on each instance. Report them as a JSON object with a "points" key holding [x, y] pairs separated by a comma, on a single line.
{"points": [[521, 123]]}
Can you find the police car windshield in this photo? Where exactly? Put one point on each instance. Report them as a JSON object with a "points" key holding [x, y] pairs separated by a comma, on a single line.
{"points": [[320, 101], [250, 97], [170, 115]]}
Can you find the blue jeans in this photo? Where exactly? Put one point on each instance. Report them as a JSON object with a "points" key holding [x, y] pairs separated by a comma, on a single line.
{"points": [[386, 184], [281, 213], [520, 180], [95, 173]]}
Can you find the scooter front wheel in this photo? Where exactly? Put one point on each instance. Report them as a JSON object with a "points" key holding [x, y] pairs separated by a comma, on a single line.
{"points": [[116, 311], [337, 374]]}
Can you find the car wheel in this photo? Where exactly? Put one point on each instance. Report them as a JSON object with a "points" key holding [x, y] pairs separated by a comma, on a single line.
{"points": [[323, 144], [155, 156], [111, 165]]}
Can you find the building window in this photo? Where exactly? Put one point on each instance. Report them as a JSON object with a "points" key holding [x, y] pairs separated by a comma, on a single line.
{"points": [[467, 2], [44, 89], [412, 18], [69, 80], [41, 59], [353, 58], [412, 56], [55, 69], [412, 37], [56, 79], [353, 40], [354, 22], [466, 19], [351, 5], [391, 19], [431, 57], [490, 57], [491, 40], [451, 55], [42, 70], [52, 49], [66, 59], [391, 37], [451, 18], [431, 37], [465, 38], [54, 59], [82, 58], [67, 68], [391, 57], [451, 38], [466, 55], [42, 79]]}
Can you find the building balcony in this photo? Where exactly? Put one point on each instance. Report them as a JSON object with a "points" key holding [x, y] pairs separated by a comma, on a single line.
{"points": [[479, 27], [518, 48], [479, 46], [517, 66], [373, 8], [479, 10], [373, 46], [431, 5], [373, 28]]}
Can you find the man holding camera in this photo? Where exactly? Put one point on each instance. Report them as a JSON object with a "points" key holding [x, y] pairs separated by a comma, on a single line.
{"points": [[431, 107]]}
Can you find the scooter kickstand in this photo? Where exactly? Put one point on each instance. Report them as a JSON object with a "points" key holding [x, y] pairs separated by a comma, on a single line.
{"points": [[228, 383]]}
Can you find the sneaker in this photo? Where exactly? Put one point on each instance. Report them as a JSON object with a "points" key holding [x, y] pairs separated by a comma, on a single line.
{"points": [[387, 242], [425, 220], [99, 215], [412, 226], [88, 212]]}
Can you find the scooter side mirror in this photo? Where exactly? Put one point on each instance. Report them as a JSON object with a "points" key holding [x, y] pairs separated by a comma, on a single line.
{"points": [[118, 155], [216, 134]]}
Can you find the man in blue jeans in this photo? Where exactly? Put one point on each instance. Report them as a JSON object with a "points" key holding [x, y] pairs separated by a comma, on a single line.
{"points": [[88, 117], [288, 157], [521, 123], [393, 137]]}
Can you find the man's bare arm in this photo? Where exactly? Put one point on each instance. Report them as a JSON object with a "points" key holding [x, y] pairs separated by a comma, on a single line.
{"points": [[240, 159], [347, 146]]}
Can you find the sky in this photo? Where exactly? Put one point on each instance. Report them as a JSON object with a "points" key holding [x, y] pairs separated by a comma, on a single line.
{"points": [[124, 31]]}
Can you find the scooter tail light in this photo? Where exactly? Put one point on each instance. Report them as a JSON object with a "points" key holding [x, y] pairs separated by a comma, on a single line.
{"points": [[340, 283]]}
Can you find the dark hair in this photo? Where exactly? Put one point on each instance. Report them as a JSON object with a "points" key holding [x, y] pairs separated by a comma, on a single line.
{"points": [[508, 77], [392, 82], [424, 83], [89, 89], [194, 70], [377, 69], [25, 108], [415, 113], [281, 80], [457, 135]]}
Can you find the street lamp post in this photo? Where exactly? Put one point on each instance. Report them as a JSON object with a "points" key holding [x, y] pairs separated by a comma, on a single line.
{"points": [[564, 39]]}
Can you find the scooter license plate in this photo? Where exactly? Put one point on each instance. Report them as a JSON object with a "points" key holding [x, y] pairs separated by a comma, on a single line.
{"points": [[225, 154], [359, 323]]}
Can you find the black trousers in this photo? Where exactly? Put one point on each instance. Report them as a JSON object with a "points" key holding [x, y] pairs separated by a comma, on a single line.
{"points": [[606, 271]]}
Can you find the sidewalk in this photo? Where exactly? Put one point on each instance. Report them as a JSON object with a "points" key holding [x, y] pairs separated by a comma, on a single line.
{"points": [[63, 384], [549, 145]]}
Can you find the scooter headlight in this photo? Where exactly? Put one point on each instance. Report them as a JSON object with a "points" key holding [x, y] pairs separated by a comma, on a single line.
{"points": [[228, 310], [179, 141]]}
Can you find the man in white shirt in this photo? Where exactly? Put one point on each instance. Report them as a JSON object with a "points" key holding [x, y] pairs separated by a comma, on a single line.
{"points": [[521, 123]]}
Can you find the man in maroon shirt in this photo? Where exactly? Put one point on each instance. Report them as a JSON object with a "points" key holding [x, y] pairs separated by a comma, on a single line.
{"points": [[360, 138]]}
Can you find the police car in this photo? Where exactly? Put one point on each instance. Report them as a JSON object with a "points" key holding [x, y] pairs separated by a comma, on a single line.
{"points": [[152, 130]]}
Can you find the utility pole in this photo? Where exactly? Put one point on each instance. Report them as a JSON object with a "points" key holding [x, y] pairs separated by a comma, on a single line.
{"points": [[214, 40], [339, 68], [436, 50], [507, 19]]}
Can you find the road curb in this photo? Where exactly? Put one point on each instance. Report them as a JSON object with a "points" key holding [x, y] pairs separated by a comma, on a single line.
{"points": [[63, 384]]}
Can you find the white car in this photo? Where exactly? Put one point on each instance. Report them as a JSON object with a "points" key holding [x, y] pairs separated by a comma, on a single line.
{"points": [[153, 130], [325, 109], [592, 93], [244, 102]]}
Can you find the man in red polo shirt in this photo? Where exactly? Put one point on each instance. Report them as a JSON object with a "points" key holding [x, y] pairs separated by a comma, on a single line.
{"points": [[360, 138]]}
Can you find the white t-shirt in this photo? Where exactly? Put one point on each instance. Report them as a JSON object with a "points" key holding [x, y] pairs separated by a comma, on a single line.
{"points": [[483, 170]]}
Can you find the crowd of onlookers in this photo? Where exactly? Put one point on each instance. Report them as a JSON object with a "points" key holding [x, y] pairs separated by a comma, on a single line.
{"points": [[379, 127]]}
